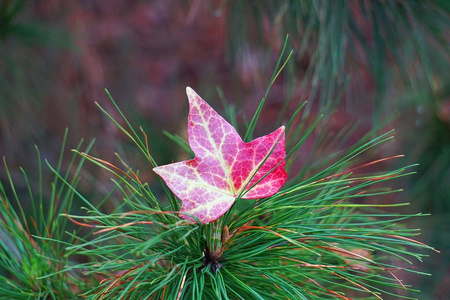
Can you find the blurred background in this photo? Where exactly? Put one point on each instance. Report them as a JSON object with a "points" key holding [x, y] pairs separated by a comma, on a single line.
{"points": [[363, 64]]}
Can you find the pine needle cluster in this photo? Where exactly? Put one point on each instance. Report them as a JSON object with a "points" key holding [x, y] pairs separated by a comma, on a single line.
{"points": [[320, 237]]}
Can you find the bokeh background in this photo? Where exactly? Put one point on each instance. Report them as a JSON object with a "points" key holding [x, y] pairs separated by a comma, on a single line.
{"points": [[363, 64]]}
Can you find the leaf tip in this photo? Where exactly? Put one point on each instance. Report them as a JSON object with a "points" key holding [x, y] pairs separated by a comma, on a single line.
{"points": [[190, 92]]}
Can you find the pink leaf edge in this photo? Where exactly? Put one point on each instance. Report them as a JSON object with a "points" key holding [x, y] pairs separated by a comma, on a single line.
{"points": [[224, 166]]}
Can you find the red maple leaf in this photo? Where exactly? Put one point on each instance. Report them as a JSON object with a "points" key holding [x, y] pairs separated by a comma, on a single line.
{"points": [[224, 166]]}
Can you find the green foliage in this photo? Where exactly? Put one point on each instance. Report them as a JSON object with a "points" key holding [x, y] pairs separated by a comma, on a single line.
{"points": [[318, 238], [32, 245]]}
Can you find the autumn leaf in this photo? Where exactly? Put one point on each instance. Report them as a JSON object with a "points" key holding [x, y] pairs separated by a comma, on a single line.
{"points": [[224, 167]]}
